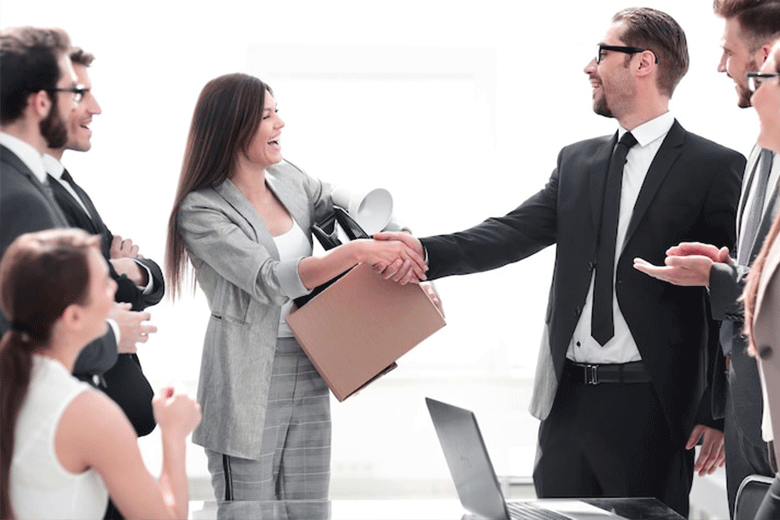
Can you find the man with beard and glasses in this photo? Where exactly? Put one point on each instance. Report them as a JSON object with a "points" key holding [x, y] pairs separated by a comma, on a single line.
{"points": [[750, 28], [621, 384], [38, 92], [139, 280]]}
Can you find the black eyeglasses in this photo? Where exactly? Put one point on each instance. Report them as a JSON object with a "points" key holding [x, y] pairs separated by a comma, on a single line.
{"points": [[619, 48], [755, 79], [78, 91]]}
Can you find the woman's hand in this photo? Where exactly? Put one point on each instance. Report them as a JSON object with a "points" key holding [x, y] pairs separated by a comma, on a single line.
{"points": [[175, 411], [393, 258]]}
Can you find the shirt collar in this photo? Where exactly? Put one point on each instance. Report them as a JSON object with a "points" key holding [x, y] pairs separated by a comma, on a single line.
{"points": [[651, 130], [53, 166], [26, 153]]}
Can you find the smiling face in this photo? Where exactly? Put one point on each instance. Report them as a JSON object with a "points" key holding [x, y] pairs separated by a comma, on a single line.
{"points": [[766, 101], [611, 79], [264, 150], [54, 127], [80, 135], [737, 60]]}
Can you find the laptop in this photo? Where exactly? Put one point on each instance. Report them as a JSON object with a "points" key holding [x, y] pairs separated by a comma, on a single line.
{"points": [[475, 480]]}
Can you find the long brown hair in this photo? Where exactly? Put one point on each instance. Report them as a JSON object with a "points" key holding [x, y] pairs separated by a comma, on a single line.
{"points": [[226, 118], [750, 293], [40, 275]]}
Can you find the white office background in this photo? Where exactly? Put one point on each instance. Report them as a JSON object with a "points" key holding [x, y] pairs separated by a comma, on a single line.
{"points": [[458, 108]]}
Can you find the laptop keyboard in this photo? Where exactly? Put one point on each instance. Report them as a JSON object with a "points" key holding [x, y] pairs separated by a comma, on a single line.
{"points": [[521, 510]]}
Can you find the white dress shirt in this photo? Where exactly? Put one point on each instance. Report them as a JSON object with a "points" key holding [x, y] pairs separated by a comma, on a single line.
{"points": [[622, 347]]}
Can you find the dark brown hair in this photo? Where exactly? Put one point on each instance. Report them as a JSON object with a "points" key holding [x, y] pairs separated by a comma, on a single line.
{"points": [[657, 31], [226, 118], [40, 275], [28, 64], [79, 56], [759, 20]]}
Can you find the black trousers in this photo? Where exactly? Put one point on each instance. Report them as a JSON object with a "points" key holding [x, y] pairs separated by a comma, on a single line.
{"points": [[743, 458], [611, 440]]}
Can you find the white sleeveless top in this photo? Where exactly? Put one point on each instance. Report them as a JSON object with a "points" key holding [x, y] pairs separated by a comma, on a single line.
{"points": [[40, 486], [291, 245]]}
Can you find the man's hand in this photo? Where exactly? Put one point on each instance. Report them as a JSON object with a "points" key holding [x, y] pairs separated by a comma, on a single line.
{"points": [[698, 249], [396, 271], [123, 248], [687, 271], [132, 329], [712, 454], [130, 268]]}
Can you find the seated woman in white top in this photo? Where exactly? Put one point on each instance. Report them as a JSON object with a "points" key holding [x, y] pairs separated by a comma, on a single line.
{"points": [[64, 447]]}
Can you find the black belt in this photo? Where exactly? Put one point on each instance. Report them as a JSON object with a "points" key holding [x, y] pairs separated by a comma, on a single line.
{"points": [[633, 372]]}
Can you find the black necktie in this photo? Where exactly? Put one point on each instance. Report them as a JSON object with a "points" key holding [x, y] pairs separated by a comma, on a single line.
{"points": [[602, 324], [753, 217], [83, 197]]}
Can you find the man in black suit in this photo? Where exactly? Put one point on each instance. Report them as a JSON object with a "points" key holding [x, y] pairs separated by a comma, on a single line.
{"points": [[38, 91], [750, 29], [139, 280], [621, 383]]}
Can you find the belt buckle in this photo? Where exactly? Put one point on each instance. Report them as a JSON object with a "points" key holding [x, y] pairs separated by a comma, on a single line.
{"points": [[591, 374]]}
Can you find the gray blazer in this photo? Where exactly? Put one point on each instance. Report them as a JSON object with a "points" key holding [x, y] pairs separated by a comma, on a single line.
{"points": [[726, 284], [237, 266]]}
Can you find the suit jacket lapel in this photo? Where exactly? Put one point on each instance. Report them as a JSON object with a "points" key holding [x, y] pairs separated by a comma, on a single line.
{"points": [[16, 163], [233, 196], [71, 207], [747, 183], [296, 205], [660, 167], [598, 178], [766, 223]]}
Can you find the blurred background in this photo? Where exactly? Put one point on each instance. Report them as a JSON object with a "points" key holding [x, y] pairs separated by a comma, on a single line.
{"points": [[458, 110]]}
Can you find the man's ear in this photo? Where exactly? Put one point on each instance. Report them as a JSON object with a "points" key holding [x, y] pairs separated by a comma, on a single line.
{"points": [[40, 103], [764, 51], [646, 62]]}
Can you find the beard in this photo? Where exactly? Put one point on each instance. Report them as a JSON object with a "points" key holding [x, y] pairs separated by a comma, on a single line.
{"points": [[744, 93], [600, 105], [53, 128]]}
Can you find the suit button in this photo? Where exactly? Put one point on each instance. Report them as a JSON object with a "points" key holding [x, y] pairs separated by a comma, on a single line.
{"points": [[765, 352], [591, 266], [577, 311]]}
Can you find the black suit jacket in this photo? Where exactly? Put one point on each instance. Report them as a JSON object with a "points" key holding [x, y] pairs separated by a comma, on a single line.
{"points": [[690, 193], [126, 383], [25, 206], [126, 291]]}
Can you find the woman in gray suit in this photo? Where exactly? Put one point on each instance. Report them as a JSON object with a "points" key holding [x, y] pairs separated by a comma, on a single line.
{"points": [[762, 291], [242, 216]]}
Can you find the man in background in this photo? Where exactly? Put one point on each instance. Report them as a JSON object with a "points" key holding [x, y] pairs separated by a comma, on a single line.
{"points": [[38, 92], [750, 29]]}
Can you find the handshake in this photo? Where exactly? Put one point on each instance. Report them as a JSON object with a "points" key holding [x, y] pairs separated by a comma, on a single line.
{"points": [[400, 257]]}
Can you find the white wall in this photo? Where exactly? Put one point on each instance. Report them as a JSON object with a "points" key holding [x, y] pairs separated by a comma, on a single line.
{"points": [[459, 109]]}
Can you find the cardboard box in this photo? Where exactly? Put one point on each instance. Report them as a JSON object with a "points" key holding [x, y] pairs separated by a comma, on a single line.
{"points": [[355, 330]]}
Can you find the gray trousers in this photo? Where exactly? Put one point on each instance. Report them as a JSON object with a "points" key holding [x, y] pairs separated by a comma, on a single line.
{"points": [[295, 459]]}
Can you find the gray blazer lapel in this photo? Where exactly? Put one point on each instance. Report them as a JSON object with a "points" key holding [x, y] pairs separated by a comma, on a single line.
{"points": [[598, 178], [233, 196], [747, 182], [296, 205], [660, 167], [766, 224]]}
